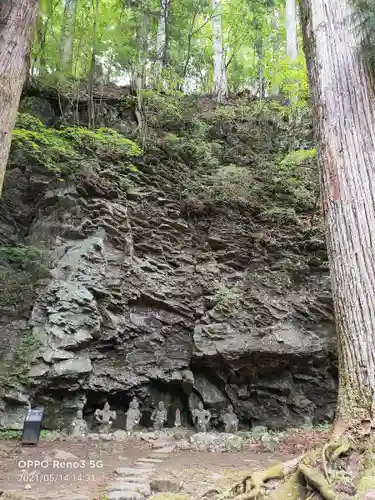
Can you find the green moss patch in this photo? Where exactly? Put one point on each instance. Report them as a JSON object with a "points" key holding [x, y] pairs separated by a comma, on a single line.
{"points": [[61, 152]]}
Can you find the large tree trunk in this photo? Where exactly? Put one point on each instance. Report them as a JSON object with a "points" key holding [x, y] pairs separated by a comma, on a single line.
{"points": [[291, 29], [220, 74], [17, 20], [344, 115], [67, 34]]}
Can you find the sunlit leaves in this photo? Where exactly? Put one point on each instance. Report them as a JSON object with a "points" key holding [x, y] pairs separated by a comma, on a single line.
{"points": [[190, 55]]}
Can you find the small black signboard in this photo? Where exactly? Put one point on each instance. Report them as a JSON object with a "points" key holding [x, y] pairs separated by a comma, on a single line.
{"points": [[32, 425]]}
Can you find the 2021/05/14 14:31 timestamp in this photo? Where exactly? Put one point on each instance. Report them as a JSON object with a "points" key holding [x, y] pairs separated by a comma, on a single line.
{"points": [[54, 478]]}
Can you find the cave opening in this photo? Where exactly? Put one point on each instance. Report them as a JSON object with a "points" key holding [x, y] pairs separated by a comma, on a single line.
{"points": [[118, 401], [173, 396]]}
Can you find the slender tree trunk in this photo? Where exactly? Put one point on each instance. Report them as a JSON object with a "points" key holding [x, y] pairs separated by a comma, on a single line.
{"points": [[161, 37], [167, 32], [220, 74], [142, 43], [91, 76], [67, 34], [291, 30], [276, 47], [17, 21], [344, 120], [259, 51]]}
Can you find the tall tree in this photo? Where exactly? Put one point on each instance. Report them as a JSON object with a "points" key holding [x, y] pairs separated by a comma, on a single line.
{"points": [[17, 21], [220, 74], [92, 70], [162, 37], [344, 110], [291, 29], [67, 34]]}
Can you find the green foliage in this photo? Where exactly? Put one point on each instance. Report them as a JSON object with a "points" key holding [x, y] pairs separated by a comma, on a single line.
{"points": [[60, 152], [125, 42], [238, 157], [40, 145], [9, 435], [29, 122], [296, 179], [23, 257], [164, 111], [297, 158], [103, 142]]}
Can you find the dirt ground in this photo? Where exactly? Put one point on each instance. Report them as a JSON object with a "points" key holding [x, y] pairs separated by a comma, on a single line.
{"points": [[200, 472], [69, 470], [96, 463]]}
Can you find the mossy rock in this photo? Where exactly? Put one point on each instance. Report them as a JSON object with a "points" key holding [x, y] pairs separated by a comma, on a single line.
{"points": [[61, 152]]}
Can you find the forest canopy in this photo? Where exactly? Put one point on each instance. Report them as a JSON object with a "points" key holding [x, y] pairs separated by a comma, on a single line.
{"points": [[173, 45]]}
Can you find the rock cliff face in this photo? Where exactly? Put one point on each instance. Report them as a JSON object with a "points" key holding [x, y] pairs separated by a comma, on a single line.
{"points": [[157, 289]]}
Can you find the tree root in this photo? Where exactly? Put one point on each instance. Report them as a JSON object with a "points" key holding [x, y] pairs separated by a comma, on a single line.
{"points": [[257, 480], [318, 482], [366, 481], [298, 473], [331, 452]]}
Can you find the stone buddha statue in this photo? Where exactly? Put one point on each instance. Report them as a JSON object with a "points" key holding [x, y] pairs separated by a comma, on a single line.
{"points": [[201, 418], [133, 416], [159, 416], [78, 428], [230, 420], [105, 418], [177, 418]]}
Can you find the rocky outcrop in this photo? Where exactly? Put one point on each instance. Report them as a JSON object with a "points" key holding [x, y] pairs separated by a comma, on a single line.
{"points": [[146, 299]]}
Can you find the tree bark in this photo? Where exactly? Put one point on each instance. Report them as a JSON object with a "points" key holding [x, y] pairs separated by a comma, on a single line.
{"points": [[67, 34], [161, 37], [276, 47], [91, 75], [259, 51], [17, 21], [291, 29], [220, 74], [344, 121]]}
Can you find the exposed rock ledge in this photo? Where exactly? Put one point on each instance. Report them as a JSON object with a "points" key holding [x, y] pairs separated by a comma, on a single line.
{"points": [[140, 303]]}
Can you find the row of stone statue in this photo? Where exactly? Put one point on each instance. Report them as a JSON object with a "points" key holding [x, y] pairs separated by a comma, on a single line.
{"points": [[106, 416]]}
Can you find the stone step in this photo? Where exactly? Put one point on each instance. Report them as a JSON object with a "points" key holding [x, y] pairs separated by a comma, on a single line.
{"points": [[124, 495], [148, 461], [134, 471], [160, 444], [125, 486], [166, 449], [140, 478]]}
